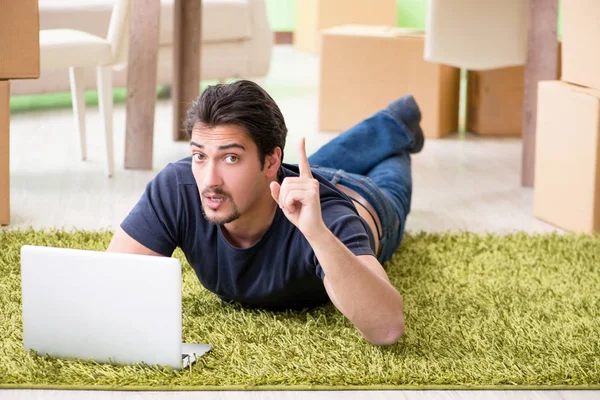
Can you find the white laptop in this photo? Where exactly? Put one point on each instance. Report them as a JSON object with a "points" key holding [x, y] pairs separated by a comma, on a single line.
{"points": [[109, 307]]}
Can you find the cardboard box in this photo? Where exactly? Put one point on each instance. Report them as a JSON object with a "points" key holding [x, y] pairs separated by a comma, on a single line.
{"points": [[567, 165], [495, 100], [4, 153], [580, 36], [364, 68], [312, 16], [19, 39]]}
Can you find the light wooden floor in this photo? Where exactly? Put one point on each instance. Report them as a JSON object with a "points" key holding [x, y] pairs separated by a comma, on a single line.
{"points": [[460, 183], [323, 395]]}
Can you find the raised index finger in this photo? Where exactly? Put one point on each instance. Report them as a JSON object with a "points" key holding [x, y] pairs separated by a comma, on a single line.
{"points": [[303, 165]]}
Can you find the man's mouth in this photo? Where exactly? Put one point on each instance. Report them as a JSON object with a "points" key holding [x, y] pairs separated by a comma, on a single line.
{"points": [[216, 198], [214, 201]]}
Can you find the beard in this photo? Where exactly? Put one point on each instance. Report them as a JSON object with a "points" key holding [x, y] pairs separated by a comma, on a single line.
{"points": [[232, 216]]}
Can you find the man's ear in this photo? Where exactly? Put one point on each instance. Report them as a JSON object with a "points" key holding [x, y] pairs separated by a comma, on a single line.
{"points": [[273, 162]]}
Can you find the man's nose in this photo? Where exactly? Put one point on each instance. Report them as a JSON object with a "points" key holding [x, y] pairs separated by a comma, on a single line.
{"points": [[211, 176]]}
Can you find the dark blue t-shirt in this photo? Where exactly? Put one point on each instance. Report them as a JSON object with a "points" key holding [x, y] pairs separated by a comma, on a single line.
{"points": [[279, 271]]}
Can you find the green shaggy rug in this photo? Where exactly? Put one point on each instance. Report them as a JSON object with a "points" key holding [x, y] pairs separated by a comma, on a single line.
{"points": [[482, 311]]}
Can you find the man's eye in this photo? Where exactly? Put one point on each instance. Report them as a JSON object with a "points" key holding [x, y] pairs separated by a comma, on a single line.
{"points": [[232, 159], [198, 157]]}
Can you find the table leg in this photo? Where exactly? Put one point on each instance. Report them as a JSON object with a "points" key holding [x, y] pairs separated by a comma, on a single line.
{"points": [[186, 60], [141, 83], [542, 48]]}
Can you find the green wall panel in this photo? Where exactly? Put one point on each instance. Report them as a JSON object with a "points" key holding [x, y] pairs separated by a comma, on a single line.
{"points": [[281, 14], [411, 13]]}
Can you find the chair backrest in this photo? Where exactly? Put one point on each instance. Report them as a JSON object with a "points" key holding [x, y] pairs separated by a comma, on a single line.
{"points": [[118, 32]]}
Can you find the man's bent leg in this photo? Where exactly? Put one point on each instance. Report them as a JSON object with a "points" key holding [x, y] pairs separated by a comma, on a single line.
{"points": [[393, 178], [373, 159], [389, 132]]}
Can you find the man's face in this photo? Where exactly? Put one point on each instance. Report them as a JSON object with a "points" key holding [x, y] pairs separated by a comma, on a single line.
{"points": [[227, 171]]}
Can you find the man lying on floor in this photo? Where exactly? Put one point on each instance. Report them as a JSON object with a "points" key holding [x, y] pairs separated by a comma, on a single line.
{"points": [[273, 235]]}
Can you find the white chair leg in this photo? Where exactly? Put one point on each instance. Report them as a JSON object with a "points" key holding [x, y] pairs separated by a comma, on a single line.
{"points": [[105, 103], [78, 97]]}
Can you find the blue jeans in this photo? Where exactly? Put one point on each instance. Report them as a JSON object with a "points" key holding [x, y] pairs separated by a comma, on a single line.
{"points": [[372, 158]]}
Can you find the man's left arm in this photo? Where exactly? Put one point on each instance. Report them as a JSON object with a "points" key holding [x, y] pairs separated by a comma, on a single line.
{"points": [[360, 289], [357, 285]]}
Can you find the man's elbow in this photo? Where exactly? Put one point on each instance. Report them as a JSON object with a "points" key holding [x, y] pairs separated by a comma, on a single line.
{"points": [[392, 336], [388, 335]]}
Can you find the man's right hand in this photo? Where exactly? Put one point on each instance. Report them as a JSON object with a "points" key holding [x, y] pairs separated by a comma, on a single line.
{"points": [[123, 243]]}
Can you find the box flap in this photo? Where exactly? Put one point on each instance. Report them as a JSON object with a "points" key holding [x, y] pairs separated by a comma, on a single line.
{"points": [[373, 30], [595, 93]]}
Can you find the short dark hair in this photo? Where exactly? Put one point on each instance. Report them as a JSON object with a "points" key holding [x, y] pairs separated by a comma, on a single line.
{"points": [[243, 103]]}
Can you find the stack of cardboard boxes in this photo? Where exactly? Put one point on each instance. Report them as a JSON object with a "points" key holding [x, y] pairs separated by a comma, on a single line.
{"points": [[4, 151], [366, 63], [19, 59], [364, 68], [567, 167]]}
